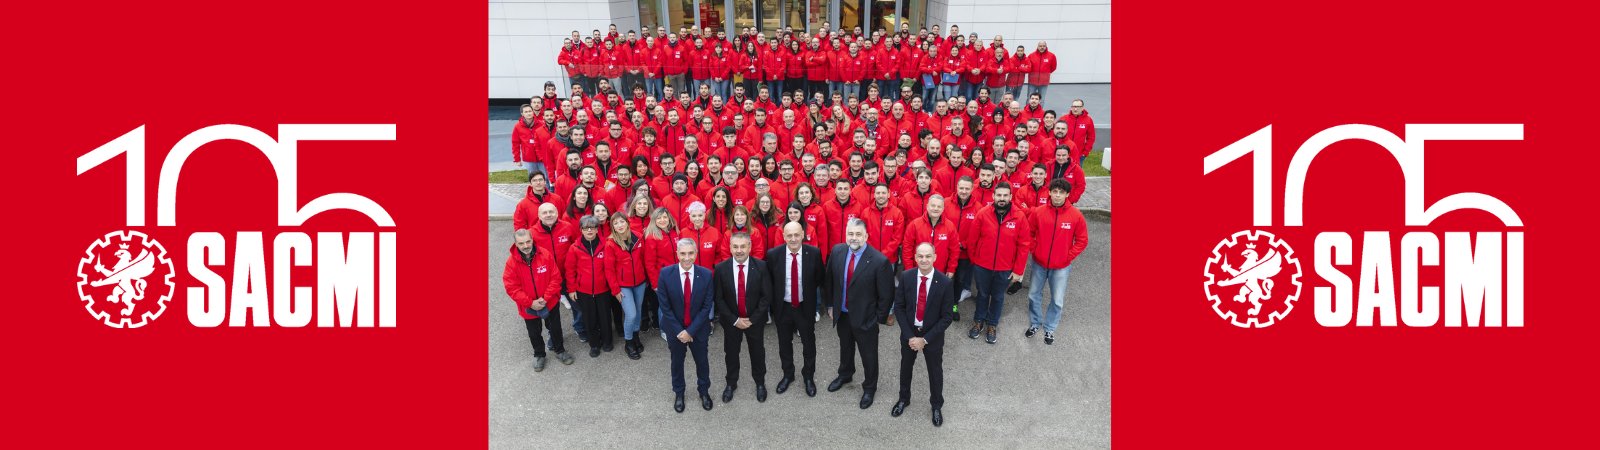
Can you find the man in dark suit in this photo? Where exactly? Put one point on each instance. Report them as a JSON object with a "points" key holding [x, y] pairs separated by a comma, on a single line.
{"points": [[860, 285], [742, 291], [925, 302], [685, 292], [796, 272]]}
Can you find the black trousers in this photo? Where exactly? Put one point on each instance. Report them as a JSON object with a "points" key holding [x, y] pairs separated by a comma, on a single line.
{"points": [[815, 86], [596, 318], [752, 86], [731, 338], [788, 321], [647, 317], [852, 339], [791, 85], [616, 315], [536, 332], [934, 353]]}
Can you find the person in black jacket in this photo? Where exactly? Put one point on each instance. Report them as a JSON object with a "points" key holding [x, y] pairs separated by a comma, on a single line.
{"points": [[860, 285], [742, 291], [796, 272], [925, 302]]}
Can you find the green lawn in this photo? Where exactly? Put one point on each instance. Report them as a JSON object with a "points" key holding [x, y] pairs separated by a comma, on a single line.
{"points": [[1091, 166], [509, 176]]}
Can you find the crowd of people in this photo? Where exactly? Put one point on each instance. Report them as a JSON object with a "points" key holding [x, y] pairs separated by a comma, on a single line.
{"points": [[679, 211]]}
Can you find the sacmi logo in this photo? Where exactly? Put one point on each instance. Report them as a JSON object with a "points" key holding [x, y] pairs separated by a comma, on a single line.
{"points": [[355, 271], [1482, 282]]}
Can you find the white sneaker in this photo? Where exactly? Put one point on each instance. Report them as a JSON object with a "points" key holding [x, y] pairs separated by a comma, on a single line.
{"points": [[965, 294], [819, 318], [663, 336]]}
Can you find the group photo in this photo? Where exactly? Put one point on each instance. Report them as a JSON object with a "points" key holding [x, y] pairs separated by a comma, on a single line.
{"points": [[739, 220]]}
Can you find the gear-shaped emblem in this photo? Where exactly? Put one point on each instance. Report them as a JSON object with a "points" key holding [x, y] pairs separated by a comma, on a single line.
{"points": [[117, 295], [1246, 279]]}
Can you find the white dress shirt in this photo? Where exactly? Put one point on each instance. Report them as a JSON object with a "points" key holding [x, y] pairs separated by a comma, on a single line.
{"points": [[929, 276], [792, 257]]}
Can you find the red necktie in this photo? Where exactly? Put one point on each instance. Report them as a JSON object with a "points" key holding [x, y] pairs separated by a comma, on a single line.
{"points": [[687, 282], [922, 296], [794, 279], [739, 284], [849, 272]]}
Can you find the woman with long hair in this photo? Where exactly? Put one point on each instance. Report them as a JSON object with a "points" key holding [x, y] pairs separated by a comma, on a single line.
{"points": [[811, 205], [739, 222], [639, 213], [660, 250], [579, 204], [767, 215], [769, 167], [796, 214], [641, 168], [627, 276], [721, 205], [692, 170]]}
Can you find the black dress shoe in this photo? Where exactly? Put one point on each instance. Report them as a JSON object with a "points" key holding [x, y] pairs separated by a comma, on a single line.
{"points": [[594, 352], [811, 388], [705, 401], [938, 417], [1014, 288], [607, 347], [866, 400], [899, 407], [838, 382], [727, 394], [677, 404], [783, 385], [632, 347], [761, 393]]}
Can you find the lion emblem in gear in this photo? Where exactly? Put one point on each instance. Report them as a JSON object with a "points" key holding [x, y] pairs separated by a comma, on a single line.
{"points": [[117, 294], [1257, 275]]}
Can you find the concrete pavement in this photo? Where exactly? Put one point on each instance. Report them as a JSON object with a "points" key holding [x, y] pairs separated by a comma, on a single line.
{"points": [[1014, 394]]}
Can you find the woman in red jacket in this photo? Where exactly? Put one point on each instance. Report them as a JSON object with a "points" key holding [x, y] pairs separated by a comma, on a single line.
{"points": [[626, 274], [767, 215], [750, 68], [951, 66], [739, 221], [587, 285], [660, 251], [639, 212], [794, 63], [1041, 64], [722, 65]]}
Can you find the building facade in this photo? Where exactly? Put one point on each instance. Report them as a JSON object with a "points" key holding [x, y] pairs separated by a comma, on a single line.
{"points": [[525, 35]]}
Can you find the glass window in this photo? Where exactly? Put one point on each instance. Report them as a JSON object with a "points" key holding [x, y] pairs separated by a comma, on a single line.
{"points": [[911, 14], [882, 16], [849, 15], [744, 14], [816, 15], [681, 13], [769, 15], [794, 14], [711, 16], [649, 13]]}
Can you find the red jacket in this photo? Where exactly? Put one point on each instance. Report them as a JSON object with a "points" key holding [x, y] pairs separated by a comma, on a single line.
{"points": [[758, 245], [951, 65], [658, 253], [556, 240], [571, 59], [1042, 64], [611, 63], [1073, 174], [885, 227], [891, 61], [794, 64], [676, 58], [817, 65], [1059, 235], [625, 268], [1001, 245], [722, 66], [773, 66], [699, 64], [672, 202], [837, 216], [592, 59], [527, 212], [966, 221], [851, 68], [527, 282], [1019, 74], [709, 239], [1080, 129], [524, 145], [586, 271], [749, 66], [998, 70], [652, 64], [946, 242], [975, 60]]}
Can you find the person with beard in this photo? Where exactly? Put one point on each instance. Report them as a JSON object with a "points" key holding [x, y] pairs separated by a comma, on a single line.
{"points": [[571, 60], [741, 294], [533, 280], [1001, 240], [528, 208], [817, 68], [1080, 128], [620, 149], [604, 166], [986, 184], [678, 198], [859, 285], [676, 59], [570, 178], [871, 177], [673, 135], [653, 66], [1060, 235], [808, 165], [661, 185], [615, 194], [838, 213]]}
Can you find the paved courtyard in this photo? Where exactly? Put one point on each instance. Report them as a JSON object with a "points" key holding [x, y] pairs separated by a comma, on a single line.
{"points": [[1017, 393]]}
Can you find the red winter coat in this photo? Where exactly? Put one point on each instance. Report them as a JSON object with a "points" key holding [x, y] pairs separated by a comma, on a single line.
{"points": [[794, 64], [1001, 245], [1080, 129], [722, 66], [952, 65], [586, 271], [966, 221], [975, 60], [571, 59], [1019, 73], [1059, 235], [773, 66], [709, 240], [1042, 65], [946, 243], [676, 58], [625, 268], [758, 245], [611, 63], [657, 253], [527, 212], [998, 70], [525, 282], [885, 227], [749, 66], [524, 147], [699, 64], [817, 65], [851, 68], [556, 240]]}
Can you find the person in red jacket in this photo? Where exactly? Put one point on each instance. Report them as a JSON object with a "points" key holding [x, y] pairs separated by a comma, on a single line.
{"points": [[933, 227], [627, 277], [951, 66], [999, 249], [678, 198], [1066, 168], [538, 194], [818, 62], [794, 73], [774, 70], [885, 223], [722, 67], [612, 62], [676, 58], [1080, 129], [1059, 236], [996, 67], [533, 281], [571, 59], [838, 213], [652, 67], [587, 286], [707, 238], [1022, 66], [1041, 64], [660, 250]]}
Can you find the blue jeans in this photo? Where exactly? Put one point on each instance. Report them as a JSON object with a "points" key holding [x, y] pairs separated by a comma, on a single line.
{"points": [[963, 275], [991, 295], [721, 88], [632, 301], [948, 90], [535, 167], [928, 92], [834, 86], [652, 87], [773, 88], [967, 90], [577, 319], [850, 90], [1057, 279]]}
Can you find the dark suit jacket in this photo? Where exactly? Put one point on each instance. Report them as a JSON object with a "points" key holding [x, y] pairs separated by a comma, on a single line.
{"points": [[810, 277], [757, 291], [871, 288], [669, 289], [937, 314]]}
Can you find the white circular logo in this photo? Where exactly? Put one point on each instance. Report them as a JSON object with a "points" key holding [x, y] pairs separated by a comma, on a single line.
{"points": [[1252, 279], [125, 279]]}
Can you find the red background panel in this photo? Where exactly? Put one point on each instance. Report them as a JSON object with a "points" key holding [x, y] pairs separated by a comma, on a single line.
{"points": [[84, 73], [1193, 77]]}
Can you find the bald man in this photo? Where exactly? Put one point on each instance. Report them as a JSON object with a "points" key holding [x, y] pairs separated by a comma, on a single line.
{"points": [[796, 272]]}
